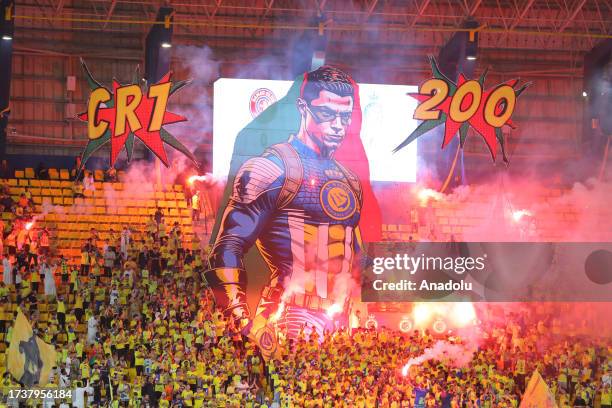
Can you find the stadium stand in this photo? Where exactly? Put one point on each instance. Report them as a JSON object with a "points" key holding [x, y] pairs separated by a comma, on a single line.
{"points": [[111, 205]]}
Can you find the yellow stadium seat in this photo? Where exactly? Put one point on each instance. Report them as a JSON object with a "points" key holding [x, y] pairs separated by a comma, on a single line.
{"points": [[23, 182], [58, 200], [45, 192], [117, 186], [37, 199], [99, 175], [12, 182], [170, 196], [178, 187], [55, 183], [29, 173], [68, 201], [100, 202], [53, 174], [19, 174], [66, 184], [35, 191], [64, 174], [35, 183]]}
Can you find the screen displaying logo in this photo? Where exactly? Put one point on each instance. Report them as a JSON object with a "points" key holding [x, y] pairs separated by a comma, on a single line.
{"points": [[260, 100]]}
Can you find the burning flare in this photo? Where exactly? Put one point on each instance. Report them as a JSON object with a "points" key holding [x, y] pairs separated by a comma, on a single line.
{"points": [[279, 312], [406, 368], [519, 214], [333, 309], [205, 178], [425, 194]]}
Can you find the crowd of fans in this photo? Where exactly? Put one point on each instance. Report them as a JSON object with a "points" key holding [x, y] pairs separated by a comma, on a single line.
{"points": [[134, 325]]}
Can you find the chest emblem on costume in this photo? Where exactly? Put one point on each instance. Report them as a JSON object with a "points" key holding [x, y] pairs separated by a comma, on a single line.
{"points": [[338, 200]]}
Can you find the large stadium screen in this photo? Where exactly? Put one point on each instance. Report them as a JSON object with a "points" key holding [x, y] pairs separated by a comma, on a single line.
{"points": [[387, 121]]}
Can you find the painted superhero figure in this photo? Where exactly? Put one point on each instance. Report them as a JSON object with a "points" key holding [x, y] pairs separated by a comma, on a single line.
{"points": [[301, 208]]}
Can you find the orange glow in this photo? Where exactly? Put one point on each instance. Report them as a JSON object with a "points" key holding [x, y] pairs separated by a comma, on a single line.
{"points": [[425, 194]]}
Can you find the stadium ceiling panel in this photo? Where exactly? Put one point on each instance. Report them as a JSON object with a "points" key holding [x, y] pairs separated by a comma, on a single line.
{"points": [[572, 25]]}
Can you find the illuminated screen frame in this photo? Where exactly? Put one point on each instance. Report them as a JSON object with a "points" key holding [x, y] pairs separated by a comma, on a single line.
{"points": [[387, 120]]}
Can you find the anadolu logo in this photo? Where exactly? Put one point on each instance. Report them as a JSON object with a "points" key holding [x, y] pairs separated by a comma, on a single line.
{"points": [[260, 100]]}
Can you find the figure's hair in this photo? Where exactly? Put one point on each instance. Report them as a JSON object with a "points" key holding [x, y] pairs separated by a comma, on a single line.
{"points": [[329, 79]]}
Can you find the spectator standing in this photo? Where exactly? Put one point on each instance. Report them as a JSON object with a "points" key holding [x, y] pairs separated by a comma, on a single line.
{"points": [[92, 329], [158, 215], [49, 278], [109, 261], [195, 206], [43, 239], [126, 239], [7, 271], [88, 182]]}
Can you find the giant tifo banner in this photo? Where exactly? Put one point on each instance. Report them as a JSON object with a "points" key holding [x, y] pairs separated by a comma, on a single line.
{"points": [[299, 158]]}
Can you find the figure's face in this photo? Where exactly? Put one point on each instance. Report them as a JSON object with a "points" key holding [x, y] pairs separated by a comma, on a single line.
{"points": [[327, 118]]}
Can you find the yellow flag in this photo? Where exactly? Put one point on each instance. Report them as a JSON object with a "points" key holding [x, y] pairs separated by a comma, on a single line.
{"points": [[537, 394], [30, 359]]}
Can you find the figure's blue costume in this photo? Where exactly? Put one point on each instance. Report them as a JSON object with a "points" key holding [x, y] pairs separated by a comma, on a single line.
{"points": [[302, 212]]}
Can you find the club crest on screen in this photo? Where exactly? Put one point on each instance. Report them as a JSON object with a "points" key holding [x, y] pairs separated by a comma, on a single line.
{"points": [[260, 100]]}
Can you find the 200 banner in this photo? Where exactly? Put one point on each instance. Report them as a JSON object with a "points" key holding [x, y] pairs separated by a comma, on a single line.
{"points": [[465, 104], [498, 106]]}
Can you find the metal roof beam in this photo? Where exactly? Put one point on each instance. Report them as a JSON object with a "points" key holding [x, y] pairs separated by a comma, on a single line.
{"points": [[522, 14], [110, 13], [420, 10], [370, 9], [572, 16], [475, 7]]}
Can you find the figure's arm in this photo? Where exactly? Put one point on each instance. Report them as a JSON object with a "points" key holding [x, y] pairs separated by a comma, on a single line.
{"points": [[253, 202]]}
